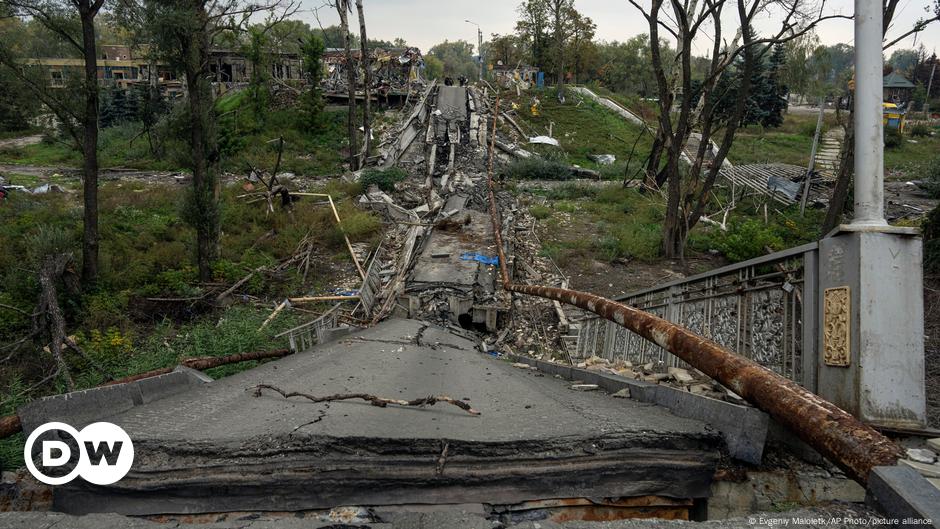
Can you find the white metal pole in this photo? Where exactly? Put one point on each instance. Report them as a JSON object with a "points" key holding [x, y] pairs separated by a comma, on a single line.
{"points": [[930, 87], [869, 140], [480, 37]]}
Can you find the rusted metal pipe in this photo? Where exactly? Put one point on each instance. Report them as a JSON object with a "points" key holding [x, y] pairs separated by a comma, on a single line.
{"points": [[855, 447]]}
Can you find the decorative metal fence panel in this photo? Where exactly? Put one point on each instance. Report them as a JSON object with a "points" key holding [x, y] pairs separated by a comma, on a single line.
{"points": [[763, 309], [305, 336], [372, 285]]}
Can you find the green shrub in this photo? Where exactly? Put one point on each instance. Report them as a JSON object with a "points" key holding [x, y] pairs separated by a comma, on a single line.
{"points": [[808, 129], [540, 212], [920, 130], [893, 138], [570, 191], [535, 168], [383, 179], [748, 239]]}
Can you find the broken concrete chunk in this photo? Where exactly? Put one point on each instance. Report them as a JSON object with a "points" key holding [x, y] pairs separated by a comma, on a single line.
{"points": [[584, 387], [681, 375], [603, 159], [928, 471], [521, 365], [622, 394], [648, 366], [921, 455], [700, 389], [934, 444]]}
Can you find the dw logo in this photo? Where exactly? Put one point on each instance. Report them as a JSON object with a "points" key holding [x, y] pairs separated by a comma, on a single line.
{"points": [[102, 453]]}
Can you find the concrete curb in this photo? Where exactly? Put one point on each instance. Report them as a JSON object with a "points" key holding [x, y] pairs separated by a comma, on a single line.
{"points": [[81, 408], [743, 428], [904, 496]]}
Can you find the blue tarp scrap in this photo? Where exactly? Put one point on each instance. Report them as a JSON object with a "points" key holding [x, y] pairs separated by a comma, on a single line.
{"points": [[343, 292], [471, 256]]}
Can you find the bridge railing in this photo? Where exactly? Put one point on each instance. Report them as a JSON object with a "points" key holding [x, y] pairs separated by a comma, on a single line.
{"points": [[764, 309], [309, 334]]}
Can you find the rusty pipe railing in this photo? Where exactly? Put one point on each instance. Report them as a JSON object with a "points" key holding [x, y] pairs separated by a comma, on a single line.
{"points": [[855, 447]]}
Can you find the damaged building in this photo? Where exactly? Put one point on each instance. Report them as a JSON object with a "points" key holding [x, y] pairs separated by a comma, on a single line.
{"points": [[397, 73]]}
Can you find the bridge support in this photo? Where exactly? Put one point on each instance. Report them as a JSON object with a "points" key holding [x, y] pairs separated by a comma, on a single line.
{"points": [[871, 317], [871, 325]]}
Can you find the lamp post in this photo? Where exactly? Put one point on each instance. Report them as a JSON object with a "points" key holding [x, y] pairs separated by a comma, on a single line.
{"points": [[869, 150], [480, 44]]}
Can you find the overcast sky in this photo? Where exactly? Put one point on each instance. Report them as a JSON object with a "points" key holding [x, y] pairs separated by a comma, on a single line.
{"points": [[424, 23]]}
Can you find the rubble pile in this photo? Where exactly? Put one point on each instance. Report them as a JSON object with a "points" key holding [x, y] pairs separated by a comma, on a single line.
{"points": [[395, 71]]}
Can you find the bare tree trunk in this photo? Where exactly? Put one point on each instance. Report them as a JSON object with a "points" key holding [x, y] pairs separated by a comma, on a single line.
{"points": [[840, 192], [342, 7], [206, 190], [87, 12], [367, 83], [50, 315]]}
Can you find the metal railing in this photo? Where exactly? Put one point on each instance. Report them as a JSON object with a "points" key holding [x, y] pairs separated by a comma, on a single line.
{"points": [[305, 336], [763, 309], [372, 284]]}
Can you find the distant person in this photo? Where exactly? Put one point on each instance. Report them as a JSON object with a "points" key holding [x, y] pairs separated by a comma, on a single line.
{"points": [[448, 81]]}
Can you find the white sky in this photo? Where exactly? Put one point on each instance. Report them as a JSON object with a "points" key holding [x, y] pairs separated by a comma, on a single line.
{"points": [[424, 23]]}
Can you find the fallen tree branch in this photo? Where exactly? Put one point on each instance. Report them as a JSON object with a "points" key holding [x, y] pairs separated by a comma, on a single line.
{"points": [[317, 299], [10, 425], [430, 400], [277, 310], [10, 307]]}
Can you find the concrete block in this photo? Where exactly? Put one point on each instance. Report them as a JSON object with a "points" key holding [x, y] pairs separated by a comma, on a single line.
{"points": [[881, 381], [901, 493], [928, 471], [159, 387], [81, 408], [743, 428]]}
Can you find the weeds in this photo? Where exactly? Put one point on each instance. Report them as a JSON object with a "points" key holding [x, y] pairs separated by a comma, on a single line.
{"points": [[535, 168]]}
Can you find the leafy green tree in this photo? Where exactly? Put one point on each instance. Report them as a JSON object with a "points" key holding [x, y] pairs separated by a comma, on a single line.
{"points": [[258, 57], [433, 67], [71, 24], [456, 57], [311, 100], [905, 61], [626, 66], [17, 106]]}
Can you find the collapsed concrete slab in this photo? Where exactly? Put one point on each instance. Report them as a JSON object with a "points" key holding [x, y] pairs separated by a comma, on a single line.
{"points": [[219, 448]]}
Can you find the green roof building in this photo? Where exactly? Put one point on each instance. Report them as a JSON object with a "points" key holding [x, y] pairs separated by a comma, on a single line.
{"points": [[897, 89]]}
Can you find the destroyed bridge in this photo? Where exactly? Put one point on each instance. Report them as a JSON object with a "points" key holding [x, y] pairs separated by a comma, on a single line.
{"points": [[418, 398]]}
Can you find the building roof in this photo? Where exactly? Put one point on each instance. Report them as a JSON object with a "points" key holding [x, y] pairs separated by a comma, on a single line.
{"points": [[896, 80]]}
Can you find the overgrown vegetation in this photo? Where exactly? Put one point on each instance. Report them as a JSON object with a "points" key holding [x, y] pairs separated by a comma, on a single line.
{"points": [[383, 179], [146, 256]]}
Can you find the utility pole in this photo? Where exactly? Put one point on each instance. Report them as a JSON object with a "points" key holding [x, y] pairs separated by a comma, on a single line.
{"points": [[929, 87], [479, 45]]}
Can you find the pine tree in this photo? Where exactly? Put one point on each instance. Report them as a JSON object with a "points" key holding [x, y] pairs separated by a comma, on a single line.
{"points": [[777, 94]]}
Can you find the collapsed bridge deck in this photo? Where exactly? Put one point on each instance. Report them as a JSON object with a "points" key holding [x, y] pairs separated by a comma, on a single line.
{"points": [[219, 448]]}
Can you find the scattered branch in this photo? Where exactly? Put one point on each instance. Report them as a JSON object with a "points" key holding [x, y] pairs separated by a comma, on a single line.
{"points": [[430, 400]]}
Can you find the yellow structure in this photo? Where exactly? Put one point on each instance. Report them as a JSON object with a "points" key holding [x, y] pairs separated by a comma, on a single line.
{"points": [[893, 117]]}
